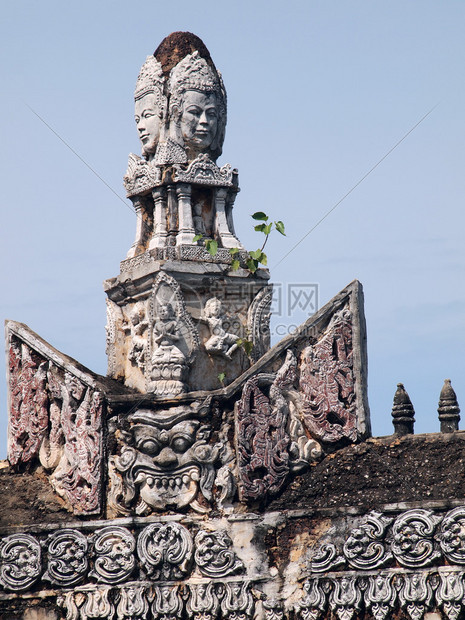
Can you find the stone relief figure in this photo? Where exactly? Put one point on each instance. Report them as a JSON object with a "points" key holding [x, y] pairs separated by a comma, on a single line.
{"points": [[262, 438], [77, 476], [220, 342], [173, 339], [327, 383], [165, 462], [168, 361], [271, 440], [28, 402], [137, 326], [56, 418], [197, 108]]}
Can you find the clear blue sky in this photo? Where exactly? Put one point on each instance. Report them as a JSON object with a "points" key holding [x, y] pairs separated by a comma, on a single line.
{"points": [[319, 91]]}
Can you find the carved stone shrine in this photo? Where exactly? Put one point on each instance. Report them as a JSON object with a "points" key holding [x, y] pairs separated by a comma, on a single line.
{"points": [[202, 479]]}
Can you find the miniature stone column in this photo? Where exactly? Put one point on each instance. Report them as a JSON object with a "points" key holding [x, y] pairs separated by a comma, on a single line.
{"points": [[229, 208], [142, 226], [186, 232], [448, 409], [227, 238], [160, 234], [403, 414]]}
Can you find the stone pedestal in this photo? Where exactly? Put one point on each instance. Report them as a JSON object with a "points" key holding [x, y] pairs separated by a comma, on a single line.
{"points": [[208, 330]]}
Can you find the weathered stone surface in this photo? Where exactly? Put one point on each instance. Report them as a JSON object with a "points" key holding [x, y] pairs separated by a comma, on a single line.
{"points": [[416, 468], [131, 310], [56, 410], [255, 496]]}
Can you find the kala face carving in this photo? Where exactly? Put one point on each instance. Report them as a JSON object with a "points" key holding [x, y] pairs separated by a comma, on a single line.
{"points": [[167, 462]]}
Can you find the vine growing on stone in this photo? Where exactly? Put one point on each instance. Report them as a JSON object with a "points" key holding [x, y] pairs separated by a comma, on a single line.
{"points": [[254, 258]]}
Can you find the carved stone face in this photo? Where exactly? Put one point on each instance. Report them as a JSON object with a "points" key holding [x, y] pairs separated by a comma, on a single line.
{"points": [[199, 119], [170, 462], [148, 123]]}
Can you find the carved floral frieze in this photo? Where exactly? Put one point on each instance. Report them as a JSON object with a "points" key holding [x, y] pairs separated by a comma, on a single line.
{"points": [[113, 554], [383, 594], [414, 539], [143, 601]]}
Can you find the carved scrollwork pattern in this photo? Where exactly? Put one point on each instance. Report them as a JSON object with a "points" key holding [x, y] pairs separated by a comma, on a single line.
{"points": [[237, 602], [167, 603], [415, 594], [132, 603], [115, 561], [450, 593], [165, 550], [20, 561], [452, 535], [413, 543], [213, 554], [313, 602], [380, 595], [326, 558], [203, 602], [365, 548], [67, 557]]}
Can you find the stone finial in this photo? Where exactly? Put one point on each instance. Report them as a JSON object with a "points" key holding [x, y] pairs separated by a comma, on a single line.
{"points": [[176, 46], [448, 409], [403, 413]]}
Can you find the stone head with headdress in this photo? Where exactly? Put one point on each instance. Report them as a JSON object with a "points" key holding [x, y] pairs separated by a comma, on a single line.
{"points": [[150, 105], [197, 106]]}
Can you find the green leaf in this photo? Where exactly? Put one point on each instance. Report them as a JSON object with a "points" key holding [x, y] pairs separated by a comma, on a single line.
{"points": [[280, 227], [212, 247], [197, 238], [252, 265], [222, 377], [256, 254], [263, 259], [267, 229], [233, 251], [247, 345], [259, 215], [235, 264], [260, 227]]}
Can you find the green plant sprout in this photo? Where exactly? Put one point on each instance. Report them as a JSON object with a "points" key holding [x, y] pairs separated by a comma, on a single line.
{"points": [[256, 257], [254, 260]]}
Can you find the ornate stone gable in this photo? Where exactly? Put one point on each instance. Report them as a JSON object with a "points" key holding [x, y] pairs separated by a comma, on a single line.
{"points": [[168, 466], [56, 418]]}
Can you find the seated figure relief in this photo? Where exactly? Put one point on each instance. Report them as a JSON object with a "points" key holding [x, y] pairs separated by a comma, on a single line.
{"points": [[220, 342]]}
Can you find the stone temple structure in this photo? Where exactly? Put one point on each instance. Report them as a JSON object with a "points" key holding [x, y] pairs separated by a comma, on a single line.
{"points": [[201, 479]]}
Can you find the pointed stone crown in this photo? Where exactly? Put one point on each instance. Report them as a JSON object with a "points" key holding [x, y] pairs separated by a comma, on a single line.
{"points": [[194, 73], [151, 80]]}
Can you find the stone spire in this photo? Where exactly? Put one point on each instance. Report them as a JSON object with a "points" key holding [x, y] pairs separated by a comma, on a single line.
{"points": [[448, 409], [177, 311], [403, 414]]}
